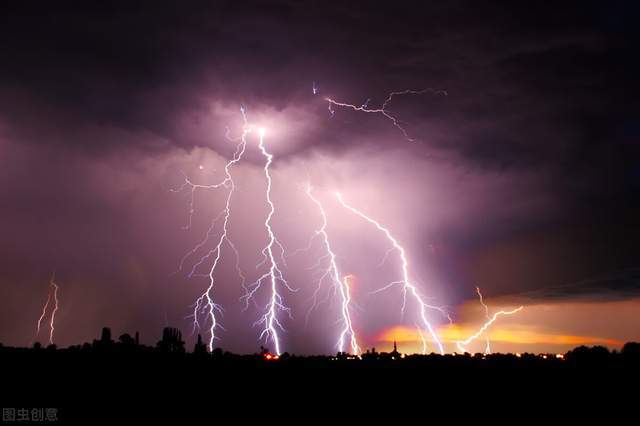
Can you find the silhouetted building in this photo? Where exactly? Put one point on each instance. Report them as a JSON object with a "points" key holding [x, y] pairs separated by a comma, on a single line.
{"points": [[171, 341], [395, 354], [106, 335], [105, 339], [200, 348], [370, 354]]}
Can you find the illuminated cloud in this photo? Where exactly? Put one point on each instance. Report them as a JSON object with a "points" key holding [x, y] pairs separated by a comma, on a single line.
{"points": [[523, 178]]}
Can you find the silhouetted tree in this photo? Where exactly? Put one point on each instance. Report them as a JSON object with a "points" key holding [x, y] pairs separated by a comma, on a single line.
{"points": [[581, 359], [588, 355], [126, 340], [631, 349]]}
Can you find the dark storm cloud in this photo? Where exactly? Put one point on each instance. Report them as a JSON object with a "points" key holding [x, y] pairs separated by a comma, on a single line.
{"points": [[101, 106], [135, 64], [620, 285], [529, 86]]}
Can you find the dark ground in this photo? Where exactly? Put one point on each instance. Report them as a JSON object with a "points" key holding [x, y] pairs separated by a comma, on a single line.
{"points": [[123, 382]]}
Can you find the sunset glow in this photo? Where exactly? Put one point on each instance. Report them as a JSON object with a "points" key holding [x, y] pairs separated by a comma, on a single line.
{"points": [[540, 327]]}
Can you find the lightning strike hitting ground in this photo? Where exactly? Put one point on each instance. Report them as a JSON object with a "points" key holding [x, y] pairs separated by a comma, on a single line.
{"points": [[463, 343], [348, 328], [274, 276], [270, 321], [52, 297], [205, 304], [340, 285], [383, 110], [487, 349], [406, 283]]}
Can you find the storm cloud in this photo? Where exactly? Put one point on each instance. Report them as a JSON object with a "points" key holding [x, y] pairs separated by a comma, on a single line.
{"points": [[524, 176]]}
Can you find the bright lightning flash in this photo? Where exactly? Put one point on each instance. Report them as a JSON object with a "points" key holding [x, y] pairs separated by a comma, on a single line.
{"points": [[270, 321], [341, 285], [487, 349], [463, 343], [205, 304], [405, 282], [51, 298]]}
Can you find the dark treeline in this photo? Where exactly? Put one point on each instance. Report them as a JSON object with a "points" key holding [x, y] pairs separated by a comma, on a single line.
{"points": [[168, 381], [172, 346]]}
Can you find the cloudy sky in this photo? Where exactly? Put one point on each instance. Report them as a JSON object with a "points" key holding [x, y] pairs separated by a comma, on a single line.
{"points": [[522, 179]]}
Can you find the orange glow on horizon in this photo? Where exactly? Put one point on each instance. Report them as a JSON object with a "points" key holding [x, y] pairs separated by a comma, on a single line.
{"points": [[542, 327], [453, 333]]}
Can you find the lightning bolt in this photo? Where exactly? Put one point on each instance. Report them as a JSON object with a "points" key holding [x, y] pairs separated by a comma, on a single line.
{"points": [[462, 343], [205, 304], [52, 296], [407, 286], [341, 285], [383, 109], [270, 321], [487, 349], [345, 294]]}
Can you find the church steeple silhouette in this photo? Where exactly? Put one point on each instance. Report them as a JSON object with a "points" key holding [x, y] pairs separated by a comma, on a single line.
{"points": [[395, 354]]}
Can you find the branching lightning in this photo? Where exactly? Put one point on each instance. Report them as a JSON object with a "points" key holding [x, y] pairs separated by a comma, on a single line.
{"points": [[383, 109], [463, 343], [405, 282], [340, 285], [52, 297], [205, 303], [487, 349], [270, 321], [345, 295]]}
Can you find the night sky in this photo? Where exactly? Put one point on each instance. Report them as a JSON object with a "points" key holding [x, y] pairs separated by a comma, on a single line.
{"points": [[522, 179]]}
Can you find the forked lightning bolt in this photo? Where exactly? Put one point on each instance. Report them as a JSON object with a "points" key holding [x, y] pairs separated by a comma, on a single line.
{"points": [[345, 294], [463, 343], [270, 321], [51, 298], [383, 109], [487, 349], [273, 279], [340, 285], [205, 304], [405, 282]]}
